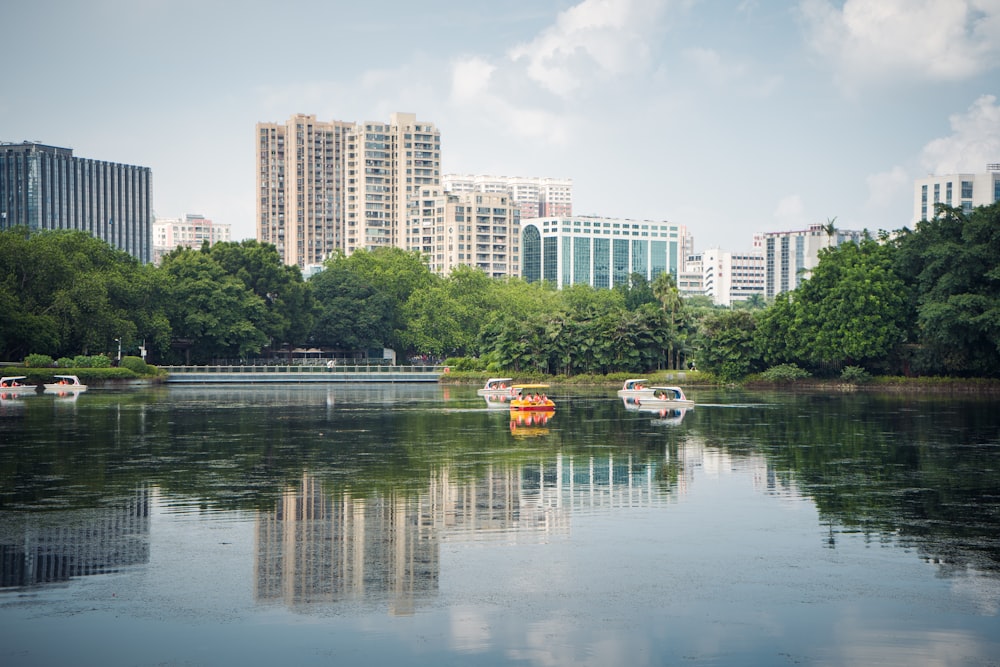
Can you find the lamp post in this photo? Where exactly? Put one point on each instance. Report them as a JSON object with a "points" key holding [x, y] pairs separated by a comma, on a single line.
{"points": [[119, 341]]}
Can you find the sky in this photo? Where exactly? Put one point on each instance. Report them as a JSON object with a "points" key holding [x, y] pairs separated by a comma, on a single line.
{"points": [[727, 116]]}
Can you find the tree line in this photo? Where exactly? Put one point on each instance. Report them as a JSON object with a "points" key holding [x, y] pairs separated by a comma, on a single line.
{"points": [[923, 301]]}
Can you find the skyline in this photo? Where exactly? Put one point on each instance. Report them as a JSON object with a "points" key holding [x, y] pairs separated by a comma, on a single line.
{"points": [[729, 118]]}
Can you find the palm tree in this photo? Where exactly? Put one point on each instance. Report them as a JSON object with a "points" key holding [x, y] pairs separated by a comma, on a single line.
{"points": [[830, 230], [666, 292]]}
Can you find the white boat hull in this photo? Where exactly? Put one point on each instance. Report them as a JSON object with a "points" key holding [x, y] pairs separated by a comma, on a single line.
{"points": [[65, 388]]}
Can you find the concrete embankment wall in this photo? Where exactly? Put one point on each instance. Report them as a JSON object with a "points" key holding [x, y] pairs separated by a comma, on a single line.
{"points": [[299, 374]]}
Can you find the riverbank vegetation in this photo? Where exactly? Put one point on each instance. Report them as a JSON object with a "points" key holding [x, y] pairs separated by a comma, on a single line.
{"points": [[921, 302]]}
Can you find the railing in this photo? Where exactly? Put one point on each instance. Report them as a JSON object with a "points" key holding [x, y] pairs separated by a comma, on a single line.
{"points": [[302, 368]]}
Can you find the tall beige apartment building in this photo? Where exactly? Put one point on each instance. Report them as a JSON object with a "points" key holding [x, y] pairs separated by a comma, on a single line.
{"points": [[536, 197], [479, 229], [386, 164], [300, 187], [338, 185]]}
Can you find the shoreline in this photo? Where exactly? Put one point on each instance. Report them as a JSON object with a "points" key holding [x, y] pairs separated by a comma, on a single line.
{"points": [[917, 385]]}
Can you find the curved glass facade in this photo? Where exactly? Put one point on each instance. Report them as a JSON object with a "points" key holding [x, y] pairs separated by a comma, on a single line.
{"points": [[601, 252], [531, 254]]}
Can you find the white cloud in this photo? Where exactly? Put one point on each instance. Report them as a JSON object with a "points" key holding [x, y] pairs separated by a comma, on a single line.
{"points": [[713, 67], [470, 78], [595, 38], [474, 89], [939, 40], [888, 188], [974, 142], [587, 45]]}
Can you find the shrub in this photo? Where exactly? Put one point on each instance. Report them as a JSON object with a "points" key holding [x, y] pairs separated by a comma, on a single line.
{"points": [[64, 362], [38, 361], [784, 373], [135, 364], [463, 363], [94, 361], [855, 375]]}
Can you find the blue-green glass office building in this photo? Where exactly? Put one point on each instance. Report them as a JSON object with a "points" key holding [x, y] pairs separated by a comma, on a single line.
{"points": [[45, 187], [601, 252]]}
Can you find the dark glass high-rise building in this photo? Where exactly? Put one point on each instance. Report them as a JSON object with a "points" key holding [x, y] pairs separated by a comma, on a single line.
{"points": [[45, 187]]}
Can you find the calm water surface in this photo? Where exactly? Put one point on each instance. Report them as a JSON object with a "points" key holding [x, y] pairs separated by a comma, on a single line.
{"points": [[417, 525]]}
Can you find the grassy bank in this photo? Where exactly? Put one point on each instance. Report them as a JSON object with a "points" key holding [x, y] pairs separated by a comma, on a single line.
{"points": [[687, 378], [698, 378], [88, 376]]}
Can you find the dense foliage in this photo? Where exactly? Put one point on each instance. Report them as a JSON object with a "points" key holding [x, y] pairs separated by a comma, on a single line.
{"points": [[923, 301]]}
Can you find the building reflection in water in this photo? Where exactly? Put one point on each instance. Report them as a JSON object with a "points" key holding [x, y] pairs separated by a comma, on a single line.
{"points": [[55, 546], [323, 547], [317, 548]]}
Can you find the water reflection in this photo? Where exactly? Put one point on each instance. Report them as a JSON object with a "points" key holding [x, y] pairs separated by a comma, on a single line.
{"points": [[919, 473], [320, 546], [323, 545], [756, 529], [57, 546]]}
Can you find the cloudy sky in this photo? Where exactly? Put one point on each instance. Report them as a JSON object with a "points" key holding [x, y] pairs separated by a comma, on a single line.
{"points": [[728, 116]]}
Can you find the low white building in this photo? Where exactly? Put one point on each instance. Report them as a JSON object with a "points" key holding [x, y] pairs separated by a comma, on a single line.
{"points": [[790, 257], [600, 252], [190, 232], [730, 276], [691, 281], [965, 191]]}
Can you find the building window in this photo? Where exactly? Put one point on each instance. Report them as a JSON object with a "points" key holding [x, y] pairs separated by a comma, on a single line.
{"points": [[581, 260], [532, 244], [602, 262]]}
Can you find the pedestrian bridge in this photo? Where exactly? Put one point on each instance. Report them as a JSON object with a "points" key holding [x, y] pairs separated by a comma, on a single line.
{"points": [[299, 373]]}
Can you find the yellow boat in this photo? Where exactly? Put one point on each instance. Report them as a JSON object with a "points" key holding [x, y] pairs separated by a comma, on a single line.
{"points": [[528, 397]]}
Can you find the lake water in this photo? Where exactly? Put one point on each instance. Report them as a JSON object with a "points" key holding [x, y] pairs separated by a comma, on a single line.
{"points": [[416, 525]]}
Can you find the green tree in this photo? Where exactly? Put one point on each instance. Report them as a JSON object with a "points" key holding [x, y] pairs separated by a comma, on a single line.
{"points": [[666, 292], [70, 293], [353, 314], [852, 310], [393, 273], [211, 309], [727, 344], [953, 264], [445, 318], [637, 292], [776, 335], [289, 307]]}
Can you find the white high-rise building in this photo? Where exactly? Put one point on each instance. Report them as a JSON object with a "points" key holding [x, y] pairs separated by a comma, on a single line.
{"points": [[965, 191]]}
